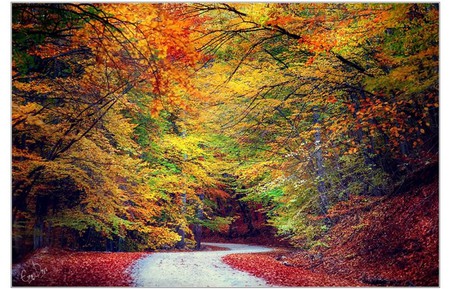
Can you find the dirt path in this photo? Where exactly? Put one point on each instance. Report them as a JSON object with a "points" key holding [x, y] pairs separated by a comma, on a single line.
{"points": [[195, 269]]}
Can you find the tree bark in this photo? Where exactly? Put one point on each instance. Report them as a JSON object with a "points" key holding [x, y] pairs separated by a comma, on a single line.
{"points": [[182, 243], [197, 227], [247, 216], [320, 166]]}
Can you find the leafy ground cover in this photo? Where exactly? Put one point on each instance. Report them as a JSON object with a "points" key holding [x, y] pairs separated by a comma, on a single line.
{"points": [[50, 267], [275, 272]]}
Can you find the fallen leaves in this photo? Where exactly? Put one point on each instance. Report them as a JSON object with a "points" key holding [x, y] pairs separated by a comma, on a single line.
{"points": [[280, 273], [64, 268]]}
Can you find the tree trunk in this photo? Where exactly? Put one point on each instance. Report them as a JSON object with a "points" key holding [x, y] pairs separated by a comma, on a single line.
{"points": [[320, 167], [197, 227], [182, 243], [38, 231], [41, 213], [247, 216], [344, 194]]}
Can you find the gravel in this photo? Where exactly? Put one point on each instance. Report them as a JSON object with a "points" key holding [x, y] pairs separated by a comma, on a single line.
{"points": [[195, 269]]}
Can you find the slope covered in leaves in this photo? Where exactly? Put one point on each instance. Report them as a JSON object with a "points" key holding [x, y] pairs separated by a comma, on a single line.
{"points": [[266, 265], [65, 268], [389, 241]]}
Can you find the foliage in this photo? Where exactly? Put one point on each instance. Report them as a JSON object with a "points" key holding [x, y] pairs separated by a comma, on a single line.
{"points": [[89, 83], [134, 124], [326, 99]]}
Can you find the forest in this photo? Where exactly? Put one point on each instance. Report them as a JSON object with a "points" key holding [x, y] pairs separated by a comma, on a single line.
{"points": [[140, 126]]}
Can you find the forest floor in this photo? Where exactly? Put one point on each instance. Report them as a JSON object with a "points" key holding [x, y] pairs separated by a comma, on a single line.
{"points": [[54, 267]]}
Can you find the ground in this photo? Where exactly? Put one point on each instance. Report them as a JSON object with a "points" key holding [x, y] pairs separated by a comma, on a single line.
{"points": [[51, 267]]}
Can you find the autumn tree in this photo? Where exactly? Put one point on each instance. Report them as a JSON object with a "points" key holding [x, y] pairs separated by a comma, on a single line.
{"points": [[133, 123], [77, 166], [328, 94]]}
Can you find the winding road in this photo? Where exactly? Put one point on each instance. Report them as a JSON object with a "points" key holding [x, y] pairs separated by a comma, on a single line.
{"points": [[195, 269]]}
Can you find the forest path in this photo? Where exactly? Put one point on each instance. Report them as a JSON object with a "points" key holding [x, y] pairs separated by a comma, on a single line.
{"points": [[195, 269]]}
